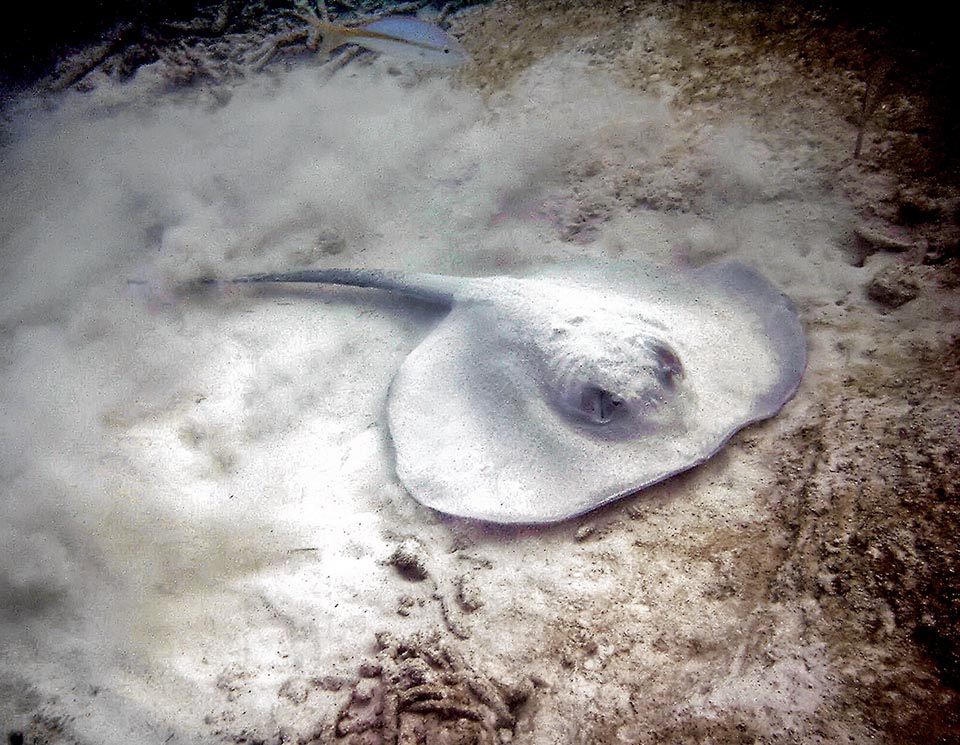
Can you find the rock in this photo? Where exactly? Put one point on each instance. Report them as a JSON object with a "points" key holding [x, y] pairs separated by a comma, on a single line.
{"points": [[893, 286], [468, 594], [331, 683], [872, 239], [406, 604], [942, 251], [365, 689], [410, 560], [916, 207], [583, 532], [295, 690]]}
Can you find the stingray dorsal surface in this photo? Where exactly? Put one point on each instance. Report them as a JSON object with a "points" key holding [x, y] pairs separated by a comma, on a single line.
{"points": [[538, 399]]}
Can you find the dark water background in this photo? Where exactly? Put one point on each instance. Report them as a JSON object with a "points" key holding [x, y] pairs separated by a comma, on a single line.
{"points": [[40, 35]]}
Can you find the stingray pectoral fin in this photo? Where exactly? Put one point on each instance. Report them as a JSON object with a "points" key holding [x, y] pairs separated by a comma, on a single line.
{"points": [[475, 437], [445, 412], [776, 322]]}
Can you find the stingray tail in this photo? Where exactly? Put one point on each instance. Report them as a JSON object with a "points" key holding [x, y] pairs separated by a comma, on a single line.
{"points": [[158, 295], [433, 288]]}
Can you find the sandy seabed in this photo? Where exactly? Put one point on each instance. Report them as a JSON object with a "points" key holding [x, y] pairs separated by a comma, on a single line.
{"points": [[202, 538]]}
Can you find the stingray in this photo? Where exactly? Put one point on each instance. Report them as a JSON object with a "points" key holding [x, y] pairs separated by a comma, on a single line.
{"points": [[539, 398]]}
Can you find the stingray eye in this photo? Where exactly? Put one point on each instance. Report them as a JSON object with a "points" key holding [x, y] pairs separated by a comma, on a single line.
{"points": [[598, 404], [668, 366]]}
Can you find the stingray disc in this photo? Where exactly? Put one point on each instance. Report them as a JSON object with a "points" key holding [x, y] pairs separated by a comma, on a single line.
{"points": [[477, 411]]}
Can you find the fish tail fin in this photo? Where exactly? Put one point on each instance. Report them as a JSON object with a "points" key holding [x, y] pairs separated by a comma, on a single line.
{"points": [[331, 35]]}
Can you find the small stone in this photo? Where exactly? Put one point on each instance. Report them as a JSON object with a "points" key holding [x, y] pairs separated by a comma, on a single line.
{"points": [[943, 250], [583, 532], [410, 561], [539, 681], [468, 594], [295, 690], [331, 683], [370, 669], [916, 207], [406, 605], [893, 286], [364, 690], [887, 240]]}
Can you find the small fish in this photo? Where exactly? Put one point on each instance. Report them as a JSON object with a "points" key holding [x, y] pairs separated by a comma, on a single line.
{"points": [[401, 36]]}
